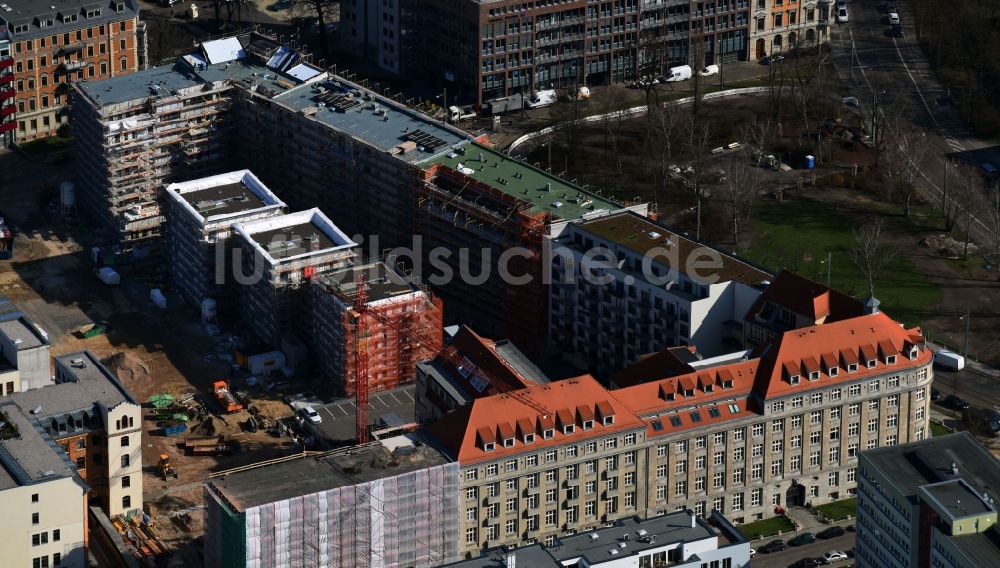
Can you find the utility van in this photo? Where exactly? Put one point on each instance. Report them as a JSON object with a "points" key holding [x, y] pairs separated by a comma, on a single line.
{"points": [[458, 114], [541, 99], [682, 73], [949, 360]]}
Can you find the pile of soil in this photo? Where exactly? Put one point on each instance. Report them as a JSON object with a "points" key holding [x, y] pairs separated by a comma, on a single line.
{"points": [[946, 247], [127, 366], [211, 426]]}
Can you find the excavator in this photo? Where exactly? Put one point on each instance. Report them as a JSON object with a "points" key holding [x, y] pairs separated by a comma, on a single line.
{"points": [[166, 470]]}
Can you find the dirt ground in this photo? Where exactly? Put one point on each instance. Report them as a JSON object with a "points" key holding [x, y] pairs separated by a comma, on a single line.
{"points": [[154, 351]]}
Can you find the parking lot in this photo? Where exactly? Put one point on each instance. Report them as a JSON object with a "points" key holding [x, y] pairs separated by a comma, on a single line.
{"points": [[387, 411]]}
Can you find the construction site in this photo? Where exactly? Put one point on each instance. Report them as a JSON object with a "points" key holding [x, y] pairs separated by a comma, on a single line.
{"points": [[388, 503], [404, 326]]}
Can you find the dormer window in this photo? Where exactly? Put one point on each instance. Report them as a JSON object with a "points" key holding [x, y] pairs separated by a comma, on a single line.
{"points": [[890, 360], [508, 442], [913, 353], [833, 371], [489, 446], [813, 375], [852, 368], [871, 363], [548, 433], [529, 438], [688, 392], [569, 429], [20, 28], [588, 424], [119, 8], [669, 396], [93, 13], [793, 379], [727, 384], [609, 420], [707, 388]]}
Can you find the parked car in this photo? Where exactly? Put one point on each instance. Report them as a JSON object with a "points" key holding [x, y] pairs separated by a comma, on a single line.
{"points": [[769, 59], [850, 528], [982, 421], [893, 18], [831, 532], [834, 556], [709, 70], [954, 402], [808, 563], [773, 546], [842, 15], [897, 31], [804, 538], [311, 415]]}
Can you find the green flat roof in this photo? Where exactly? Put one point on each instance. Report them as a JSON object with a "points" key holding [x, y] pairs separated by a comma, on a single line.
{"points": [[543, 190]]}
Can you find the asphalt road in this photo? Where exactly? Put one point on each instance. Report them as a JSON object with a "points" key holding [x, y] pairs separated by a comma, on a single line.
{"points": [[792, 554], [979, 390], [892, 75]]}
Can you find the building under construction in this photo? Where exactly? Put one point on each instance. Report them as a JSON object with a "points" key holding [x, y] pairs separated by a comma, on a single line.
{"points": [[484, 203], [136, 133], [274, 261], [390, 503], [403, 327], [200, 218]]}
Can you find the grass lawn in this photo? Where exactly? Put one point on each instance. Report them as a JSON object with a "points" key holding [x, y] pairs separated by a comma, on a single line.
{"points": [[939, 429], [799, 232], [839, 510], [45, 145], [767, 527]]}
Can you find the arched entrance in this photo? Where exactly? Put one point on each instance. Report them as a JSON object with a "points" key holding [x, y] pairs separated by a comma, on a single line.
{"points": [[810, 36], [795, 496], [759, 51], [792, 37], [776, 43]]}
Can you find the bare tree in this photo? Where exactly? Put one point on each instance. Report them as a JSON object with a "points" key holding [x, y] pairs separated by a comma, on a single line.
{"points": [[698, 145], [739, 190], [870, 253], [992, 210], [905, 153], [325, 11], [969, 199], [662, 131]]}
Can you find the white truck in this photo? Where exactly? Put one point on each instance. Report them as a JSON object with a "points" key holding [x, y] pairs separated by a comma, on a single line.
{"points": [[458, 114], [949, 360], [541, 99], [681, 73]]}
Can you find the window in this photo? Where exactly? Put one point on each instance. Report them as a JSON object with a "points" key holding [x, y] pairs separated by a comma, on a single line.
{"points": [[852, 450], [834, 455], [795, 462], [487, 447], [699, 484], [512, 465], [920, 394], [718, 479], [816, 398], [719, 458], [470, 535], [835, 413], [550, 496], [854, 390], [852, 475], [124, 441], [680, 488], [492, 469], [890, 360], [738, 475], [890, 440], [34, 497], [528, 438], [756, 497], [814, 459], [776, 445], [854, 409], [571, 452], [797, 421], [57, 559], [853, 429], [588, 424], [814, 437], [796, 441], [126, 482], [816, 417], [758, 430], [719, 438], [833, 479], [919, 414], [629, 439], [608, 420], [569, 429], [699, 462], [892, 382], [873, 425], [471, 474], [776, 467], [511, 505], [511, 526], [470, 493], [611, 443], [512, 484], [738, 454], [835, 433], [892, 420], [34, 518], [873, 405], [797, 402], [737, 502], [680, 467], [124, 64], [757, 450], [470, 514], [547, 434], [738, 434], [661, 492], [700, 442], [835, 394], [681, 447], [920, 433], [757, 471], [550, 456], [629, 478], [873, 386], [778, 406]]}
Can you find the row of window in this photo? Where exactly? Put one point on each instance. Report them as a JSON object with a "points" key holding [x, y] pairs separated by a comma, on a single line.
{"points": [[41, 538], [567, 429], [47, 22]]}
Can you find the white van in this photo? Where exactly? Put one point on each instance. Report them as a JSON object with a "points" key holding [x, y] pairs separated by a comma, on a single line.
{"points": [[682, 73], [949, 360], [709, 70], [458, 114], [541, 99]]}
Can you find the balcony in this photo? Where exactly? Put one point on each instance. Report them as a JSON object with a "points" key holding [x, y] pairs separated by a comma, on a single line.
{"points": [[70, 66], [8, 126], [6, 62], [7, 110], [6, 79], [8, 94]]}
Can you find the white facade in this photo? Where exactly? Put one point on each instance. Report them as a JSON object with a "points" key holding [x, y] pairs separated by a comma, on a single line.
{"points": [[124, 428], [607, 326], [60, 529], [26, 347]]}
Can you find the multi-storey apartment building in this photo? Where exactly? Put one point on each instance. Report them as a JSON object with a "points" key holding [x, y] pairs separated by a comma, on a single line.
{"points": [[928, 503], [783, 25], [277, 258], [372, 30], [402, 327], [55, 45], [42, 495], [783, 427], [624, 286], [8, 105], [200, 219], [489, 49]]}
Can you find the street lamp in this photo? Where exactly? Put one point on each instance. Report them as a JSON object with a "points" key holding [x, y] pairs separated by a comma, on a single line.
{"points": [[965, 351], [444, 103]]}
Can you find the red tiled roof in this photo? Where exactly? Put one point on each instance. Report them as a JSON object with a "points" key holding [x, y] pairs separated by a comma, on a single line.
{"points": [[462, 431], [652, 367], [807, 298], [844, 337], [649, 397]]}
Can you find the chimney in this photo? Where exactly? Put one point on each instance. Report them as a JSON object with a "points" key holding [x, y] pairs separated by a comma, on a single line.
{"points": [[871, 306], [694, 518]]}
